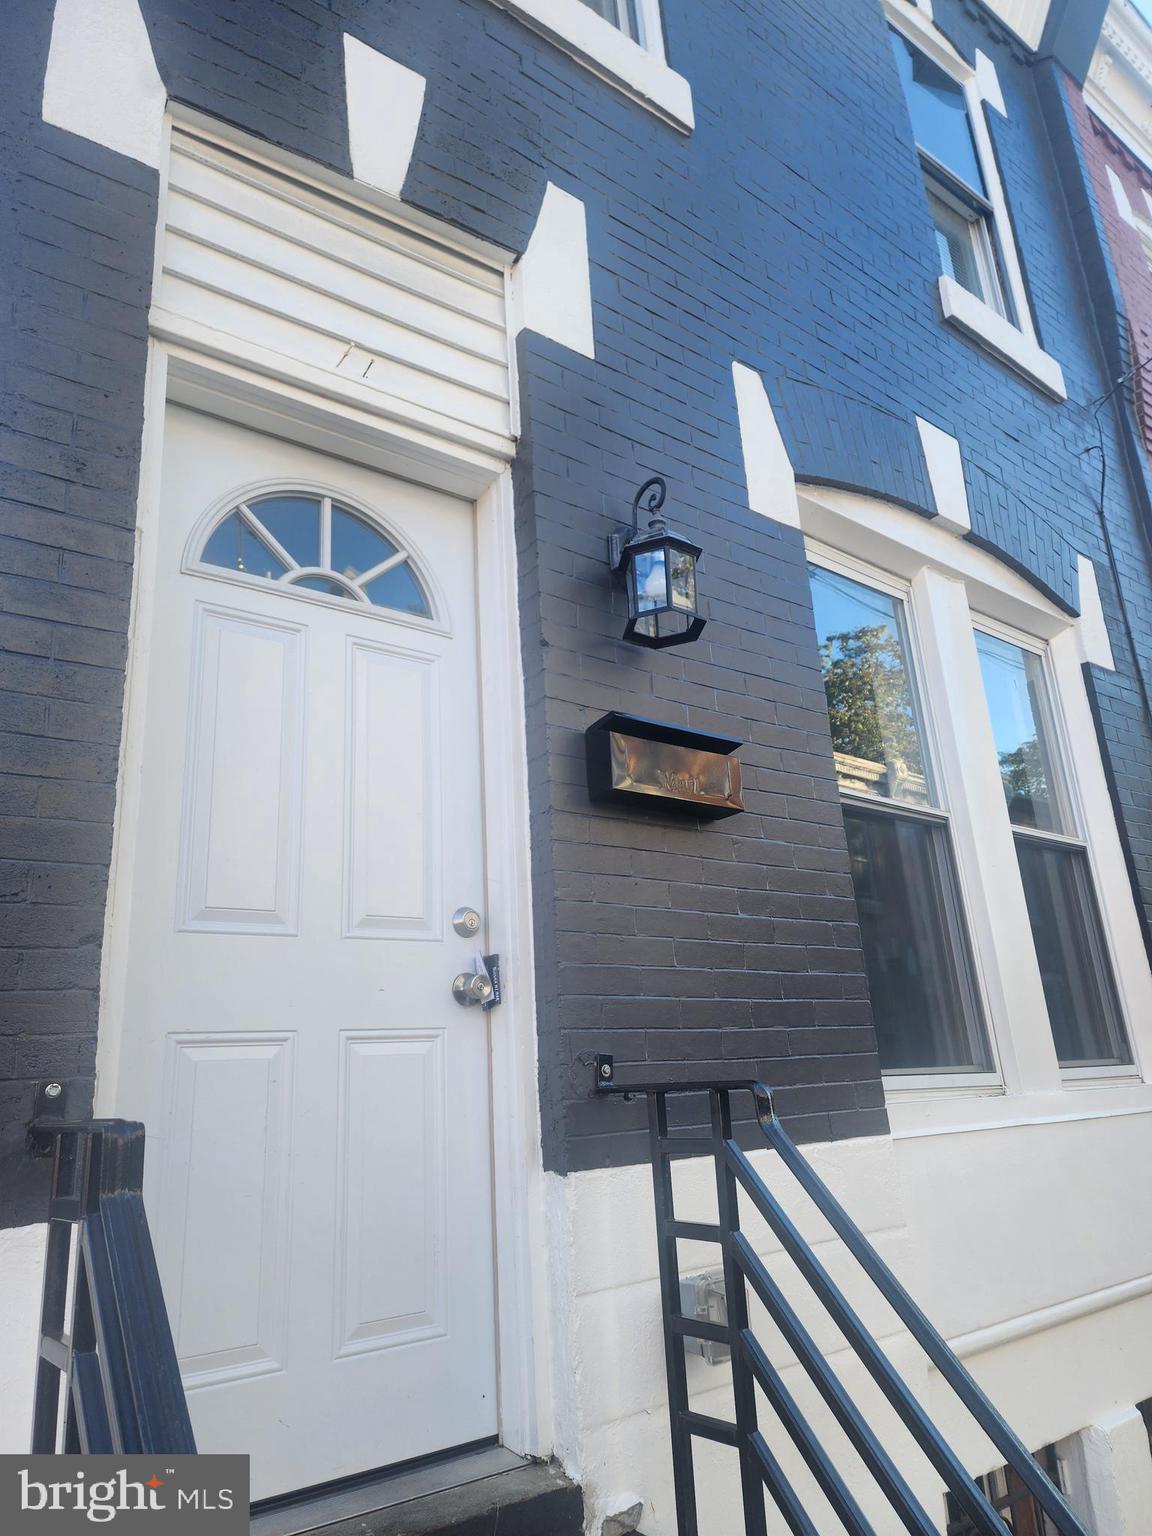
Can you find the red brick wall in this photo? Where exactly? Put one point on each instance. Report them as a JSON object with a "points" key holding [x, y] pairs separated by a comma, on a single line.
{"points": [[1130, 256]]}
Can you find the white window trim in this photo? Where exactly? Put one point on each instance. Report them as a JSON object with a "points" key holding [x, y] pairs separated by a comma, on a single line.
{"points": [[954, 589], [639, 69], [1069, 768], [1010, 344], [1015, 344], [942, 778]]}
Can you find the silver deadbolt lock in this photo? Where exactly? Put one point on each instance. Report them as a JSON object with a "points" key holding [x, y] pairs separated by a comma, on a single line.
{"points": [[466, 922], [473, 988]]}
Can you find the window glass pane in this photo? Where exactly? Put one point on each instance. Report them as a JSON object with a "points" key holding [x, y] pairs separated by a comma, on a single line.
{"points": [[1022, 726], [651, 579], [234, 546], [876, 736], [399, 589], [323, 584], [1074, 967], [356, 545], [683, 580], [294, 522], [621, 13], [915, 949], [956, 245], [939, 113]]}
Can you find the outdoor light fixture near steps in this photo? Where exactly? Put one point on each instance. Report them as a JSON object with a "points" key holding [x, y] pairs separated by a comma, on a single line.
{"points": [[659, 568]]}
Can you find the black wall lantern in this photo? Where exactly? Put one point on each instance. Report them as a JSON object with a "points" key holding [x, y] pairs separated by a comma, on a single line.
{"points": [[659, 568]]}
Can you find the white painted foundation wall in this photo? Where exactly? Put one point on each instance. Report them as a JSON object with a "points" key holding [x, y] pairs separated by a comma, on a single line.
{"points": [[21, 1277], [1029, 1246]]}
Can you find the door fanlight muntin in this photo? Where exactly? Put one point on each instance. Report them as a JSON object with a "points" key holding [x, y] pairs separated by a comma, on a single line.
{"points": [[439, 617]]}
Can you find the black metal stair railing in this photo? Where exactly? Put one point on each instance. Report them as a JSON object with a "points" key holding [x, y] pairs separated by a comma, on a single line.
{"points": [[109, 1341], [752, 1368]]}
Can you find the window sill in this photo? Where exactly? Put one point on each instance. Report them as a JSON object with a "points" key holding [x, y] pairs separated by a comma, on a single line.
{"points": [[972, 316], [605, 50], [982, 1110]]}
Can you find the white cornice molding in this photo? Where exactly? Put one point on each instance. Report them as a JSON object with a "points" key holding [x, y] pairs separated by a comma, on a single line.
{"points": [[1119, 85], [1129, 36]]}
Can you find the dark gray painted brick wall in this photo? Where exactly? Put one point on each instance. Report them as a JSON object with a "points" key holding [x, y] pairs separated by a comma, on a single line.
{"points": [[76, 233], [789, 231], [1121, 289], [728, 948]]}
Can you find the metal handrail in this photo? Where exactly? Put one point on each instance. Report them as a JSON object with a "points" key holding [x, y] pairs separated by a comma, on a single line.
{"points": [[112, 1346], [751, 1366]]}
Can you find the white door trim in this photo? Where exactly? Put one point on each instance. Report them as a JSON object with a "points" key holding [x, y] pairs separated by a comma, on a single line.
{"points": [[230, 388]]}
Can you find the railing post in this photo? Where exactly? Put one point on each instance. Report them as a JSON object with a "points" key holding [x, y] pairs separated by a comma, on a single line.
{"points": [[54, 1296], [683, 1469], [743, 1382], [760, 1470], [122, 1378]]}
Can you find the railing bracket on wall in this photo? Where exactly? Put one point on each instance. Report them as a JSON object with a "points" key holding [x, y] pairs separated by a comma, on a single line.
{"points": [[756, 1376]]}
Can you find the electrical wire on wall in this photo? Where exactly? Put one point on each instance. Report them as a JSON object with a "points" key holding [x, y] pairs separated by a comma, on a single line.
{"points": [[1099, 447]]}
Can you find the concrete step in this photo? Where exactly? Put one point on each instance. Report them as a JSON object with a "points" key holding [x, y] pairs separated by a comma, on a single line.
{"points": [[525, 1499]]}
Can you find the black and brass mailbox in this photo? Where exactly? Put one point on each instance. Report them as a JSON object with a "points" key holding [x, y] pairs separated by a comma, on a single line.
{"points": [[659, 767]]}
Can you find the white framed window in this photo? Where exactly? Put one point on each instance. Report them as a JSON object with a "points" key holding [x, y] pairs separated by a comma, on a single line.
{"points": [[967, 239], [925, 1001], [622, 14], [981, 284], [1072, 949], [1006, 965], [622, 41]]}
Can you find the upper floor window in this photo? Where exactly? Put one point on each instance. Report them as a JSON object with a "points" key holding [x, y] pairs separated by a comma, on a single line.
{"points": [[966, 237], [621, 42], [621, 13], [981, 287]]}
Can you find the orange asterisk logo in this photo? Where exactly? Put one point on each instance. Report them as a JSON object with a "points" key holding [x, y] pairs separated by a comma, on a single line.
{"points": [[154, 1482]]}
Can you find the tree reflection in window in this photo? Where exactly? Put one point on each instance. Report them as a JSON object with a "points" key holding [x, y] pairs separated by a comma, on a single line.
{"points": [[311, 544], [876, 735], [1024, 733]]}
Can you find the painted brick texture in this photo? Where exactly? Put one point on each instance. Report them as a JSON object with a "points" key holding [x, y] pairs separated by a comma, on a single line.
{"points": [[76, 236], [727, 948], [789, 232], [1121, 287]]}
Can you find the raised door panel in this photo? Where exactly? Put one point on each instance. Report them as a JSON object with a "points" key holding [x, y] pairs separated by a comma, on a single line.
{"points": [[391, 1280], [222, 1219], [240, 853], [393, 826]]}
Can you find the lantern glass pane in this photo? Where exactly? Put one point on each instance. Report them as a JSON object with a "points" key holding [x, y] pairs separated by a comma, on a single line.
{"points": [[650, 574], [682, 568]]}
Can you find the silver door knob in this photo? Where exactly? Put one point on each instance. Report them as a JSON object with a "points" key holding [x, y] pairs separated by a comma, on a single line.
{"points": [[471, 988]]}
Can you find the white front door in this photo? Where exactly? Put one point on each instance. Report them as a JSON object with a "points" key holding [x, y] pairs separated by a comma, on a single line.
{"points": [[316, 1104]]}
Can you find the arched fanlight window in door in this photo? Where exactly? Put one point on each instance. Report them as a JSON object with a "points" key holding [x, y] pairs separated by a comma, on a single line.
{"points": [[314, 544]]}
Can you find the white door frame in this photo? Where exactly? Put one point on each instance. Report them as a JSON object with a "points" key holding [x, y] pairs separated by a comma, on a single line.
{"points": [[518, 1179]]}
